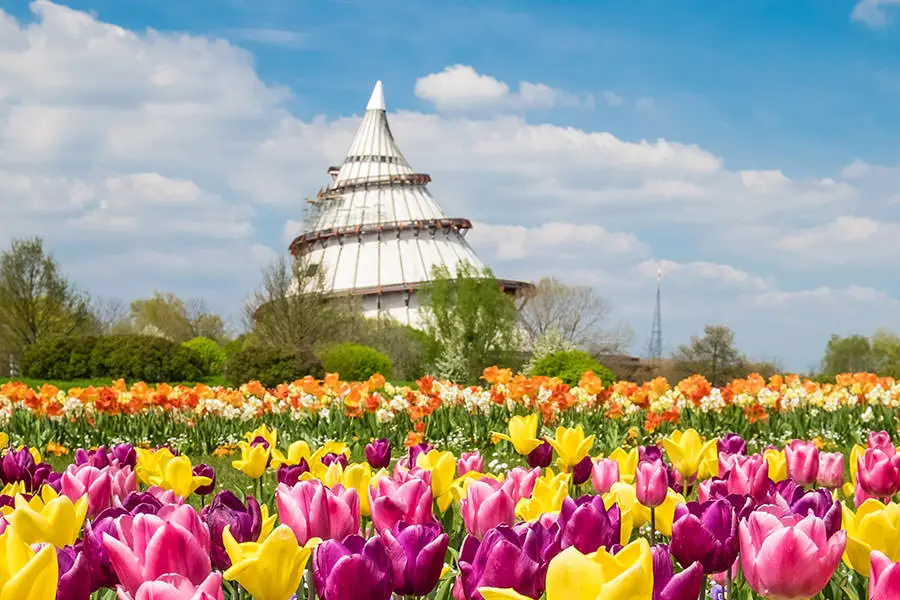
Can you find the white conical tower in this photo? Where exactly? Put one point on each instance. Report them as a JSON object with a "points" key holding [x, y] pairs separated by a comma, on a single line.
{"points": [[376, 231]]}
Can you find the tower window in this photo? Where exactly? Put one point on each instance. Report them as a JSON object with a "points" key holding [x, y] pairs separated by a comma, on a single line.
{"points": [[312, 269]]}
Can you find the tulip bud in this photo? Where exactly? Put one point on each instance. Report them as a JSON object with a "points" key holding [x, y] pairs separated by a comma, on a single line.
{"points": [[604, 474], [882, 441], [831, 470], [378, 453], [541, 456], [878, 473], [417, 553], [486, 506], [470, 462], [651, 483], [802, 459], [203, 470], [290, 474], [582, 471]]}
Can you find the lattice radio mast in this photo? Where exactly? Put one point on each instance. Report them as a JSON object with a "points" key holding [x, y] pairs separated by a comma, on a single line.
{"points": [[655, 348]]}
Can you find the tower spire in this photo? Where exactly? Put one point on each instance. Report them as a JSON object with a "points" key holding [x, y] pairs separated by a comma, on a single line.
{"points": [[655, 347]]}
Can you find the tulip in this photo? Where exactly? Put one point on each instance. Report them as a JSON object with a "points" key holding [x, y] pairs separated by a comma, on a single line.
{"points": [[254, 460], [297, 452], [442, 466], [290, 474], [649, 454], [177, 587], [332, 458], [582, 471], [705, 533], [587, 525], [248, 522], [802, 460], [148, 546], [484, 508], [571, 445], [547, 497], [513, 558], [749, 476], [884, 577], [271, 570], [875, 526], [604, 474], [522, 434], [686, 451], [627, 461], [101, 570], [520, 482], [417, 556], [881, 440], [831, 470], [169, 472], [49, 518], [541, 456], [141, 503], [391, 503], [96, 458], [470, 461], [878, 473], [669, 586], [378, 453], [777, 464], [74, 574], [412, 455], [87, 480], [353, 569], [788, 557], [312, 510], [820, 504], [651, 483], [712, 489], [732, 443], [124, 454], [24, 573], [207, 471]]}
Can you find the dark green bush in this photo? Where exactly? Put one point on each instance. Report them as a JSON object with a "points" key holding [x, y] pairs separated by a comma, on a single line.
{"points": [[62, 359], [209, 350], [570, 365], [271, 366], [354, 362]]}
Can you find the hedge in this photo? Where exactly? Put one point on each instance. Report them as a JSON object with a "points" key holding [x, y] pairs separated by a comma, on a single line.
{"points": [[354, 362], [570, 365], [271, 366]]}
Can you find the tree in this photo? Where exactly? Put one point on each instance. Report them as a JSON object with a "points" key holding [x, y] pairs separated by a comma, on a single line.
{"points": [[714, 356], [166, 315], [857, 353], [473, 321], [111, 315], [37, 302]]}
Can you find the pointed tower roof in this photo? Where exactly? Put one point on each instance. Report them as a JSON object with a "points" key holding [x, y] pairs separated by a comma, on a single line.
{"points": [[376, 100]]}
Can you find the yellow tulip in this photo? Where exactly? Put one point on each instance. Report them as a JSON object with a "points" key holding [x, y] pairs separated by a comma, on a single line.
{"points": [[330, 447], [11, 489], [777, 464], [358, 476], [4, 439], [625, 496], [271, 570], [875, 526], [442, 466], [547, 497], [151, 463], [628, 462], [268, 523], [270, 435], [522, 434], [296, 452], [24, 573], [49, 518], [571, 445], [686, 451], [709, 463], [253, 460], [176, 473]]}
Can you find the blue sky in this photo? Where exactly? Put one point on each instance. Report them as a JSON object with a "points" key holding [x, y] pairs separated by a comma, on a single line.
{"points": [[748, 148]]}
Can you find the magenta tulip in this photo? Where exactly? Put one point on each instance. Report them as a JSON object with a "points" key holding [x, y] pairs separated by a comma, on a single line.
{"points": [[788, 557], [651, 483], [378, 453], [177, 587], [486, 506], [667, 585], [831, 470], [87, 480], [353, 569], [604, 474], [146, 547], [312, 510], [541, 456], [520, 482], [582, 471], [884, 577], [470, 461], [802, 460], [74, 581], [878, 473], [881, 440], [417, 554], [410, 502]]}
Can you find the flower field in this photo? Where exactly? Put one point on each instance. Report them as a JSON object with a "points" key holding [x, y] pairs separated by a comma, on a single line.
{"points": [[523, 488]]}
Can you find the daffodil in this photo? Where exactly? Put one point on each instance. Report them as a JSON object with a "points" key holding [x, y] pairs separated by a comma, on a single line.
{"points": [[253, 461], [547, 497], [48, 518], [442, 466], [875, 526], [522, 434], [571, 445], [24, 573], [687, 451], [271, 570]]}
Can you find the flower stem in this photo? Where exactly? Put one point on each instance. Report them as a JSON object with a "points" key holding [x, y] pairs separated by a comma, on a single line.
{"points": [[652, 525]]}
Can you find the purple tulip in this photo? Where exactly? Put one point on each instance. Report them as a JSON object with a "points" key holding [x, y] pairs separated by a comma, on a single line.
{"points": [[378, 453], [706, 533], [101, 569], [203, 470], [18, 465], [821, 504], [125, 454], [226, 509], [541, 456], [669, 586], [290, 474], [74, 581], [353, 569], [45, 475], [96, 458], [142, 503], [582, 471], [732, 443], [587, 524], [417, 554], [415, 451], [332, 457], [649, 454], [789, 491]]}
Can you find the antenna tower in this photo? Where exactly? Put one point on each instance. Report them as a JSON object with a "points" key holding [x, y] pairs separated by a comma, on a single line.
{"points": [[655, 347]]}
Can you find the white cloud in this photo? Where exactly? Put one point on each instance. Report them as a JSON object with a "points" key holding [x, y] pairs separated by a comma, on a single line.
{"points": [[830, 297], [872, 12], [702, 270], [462, 87], [846, 240], [517, 242]]}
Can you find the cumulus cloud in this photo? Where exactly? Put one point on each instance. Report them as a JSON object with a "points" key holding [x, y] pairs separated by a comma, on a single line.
{"points": [[518, 242], [872, 12], [693, 271]]}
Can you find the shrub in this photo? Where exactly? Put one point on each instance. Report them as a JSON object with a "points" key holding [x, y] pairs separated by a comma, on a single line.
{"points": [[355, 362], [271, 366], [212, 355], [144, 358], [411, 350], [570, 365], [60, 358]]}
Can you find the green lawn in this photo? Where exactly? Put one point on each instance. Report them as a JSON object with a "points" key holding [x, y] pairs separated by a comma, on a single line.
{"points": [[83, 383]]}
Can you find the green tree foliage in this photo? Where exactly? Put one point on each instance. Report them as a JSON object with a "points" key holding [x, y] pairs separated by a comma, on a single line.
{"points": [[271, 366], [355, 362], [473, 321], [37, 302], [411, 350], [714, 355], [856, 353], [570, 365], [168, 316], [212, 354]]}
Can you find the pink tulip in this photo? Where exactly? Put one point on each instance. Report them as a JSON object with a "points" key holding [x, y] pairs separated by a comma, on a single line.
{"points": [[485, 507], [884, 577], [410, 502], [878, 473], [470, 461], [860, 495], [831, 470], [749, 477], [727, 462], [519, 482], [165, 496], [802, 459], [604, 474], [651, 483], [312, 510], [881, 440], [176, 587], [87, 480], [174, 541], [788, 557]]}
